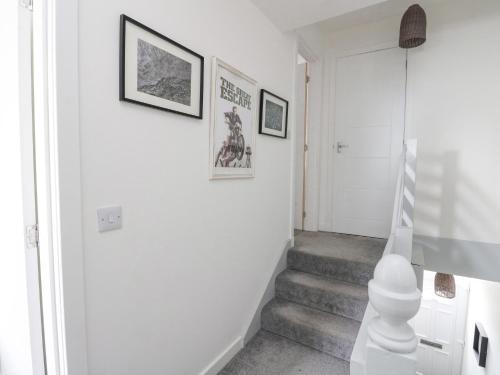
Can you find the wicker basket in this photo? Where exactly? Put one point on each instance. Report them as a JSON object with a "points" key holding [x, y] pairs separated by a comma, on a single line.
{"points": [[413, 27], [444, 285]]}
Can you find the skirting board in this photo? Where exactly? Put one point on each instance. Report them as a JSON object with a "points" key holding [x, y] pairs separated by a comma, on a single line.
{"points": [[223, 359]]}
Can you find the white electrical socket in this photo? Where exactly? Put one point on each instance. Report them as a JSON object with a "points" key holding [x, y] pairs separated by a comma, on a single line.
{"points": [[109, 218]]}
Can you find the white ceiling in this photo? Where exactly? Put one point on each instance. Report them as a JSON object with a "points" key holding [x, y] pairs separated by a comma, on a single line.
{"points": [[372, 13], [293, 14]]}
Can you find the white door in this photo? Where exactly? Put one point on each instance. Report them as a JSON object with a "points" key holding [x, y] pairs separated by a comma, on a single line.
{"points": [[440, 328], [369, 131], [21, 340]]}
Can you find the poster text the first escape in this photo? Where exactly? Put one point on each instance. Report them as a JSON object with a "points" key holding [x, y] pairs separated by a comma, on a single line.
{"points": [[234, 94]]}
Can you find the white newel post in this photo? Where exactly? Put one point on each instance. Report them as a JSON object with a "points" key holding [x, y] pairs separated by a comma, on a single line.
{"points": [[392, 343]]}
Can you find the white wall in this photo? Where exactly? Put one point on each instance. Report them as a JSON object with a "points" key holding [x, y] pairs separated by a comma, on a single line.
{"points": [[453, 90], [454, 86], [179, 283], [484, 307]]}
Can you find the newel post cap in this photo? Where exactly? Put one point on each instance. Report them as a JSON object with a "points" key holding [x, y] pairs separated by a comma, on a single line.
{"points": [[395, 274], [394, 295]]}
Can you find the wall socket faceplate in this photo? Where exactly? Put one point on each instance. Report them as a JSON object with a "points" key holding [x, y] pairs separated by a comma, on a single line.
{"points": [[109, 218]]}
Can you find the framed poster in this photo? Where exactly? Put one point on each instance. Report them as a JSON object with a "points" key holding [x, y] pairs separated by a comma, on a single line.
{"points": [[233, 123], [273, 115], [157, 72]]}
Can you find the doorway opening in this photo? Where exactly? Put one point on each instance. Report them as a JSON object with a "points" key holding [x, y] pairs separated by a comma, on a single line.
{"points": [[38, 315], [21, 327], [302, 140]]}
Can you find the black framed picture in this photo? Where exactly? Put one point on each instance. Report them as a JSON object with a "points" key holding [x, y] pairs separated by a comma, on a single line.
{"points": [[273, 115], [157, 72]]}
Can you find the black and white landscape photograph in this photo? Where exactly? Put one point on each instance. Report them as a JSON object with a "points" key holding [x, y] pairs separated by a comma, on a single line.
{"points": [[157, 72], [273, 115], [162, 74]]}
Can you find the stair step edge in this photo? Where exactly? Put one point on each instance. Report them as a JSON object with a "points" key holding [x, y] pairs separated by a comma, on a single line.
{"points": [[327, 284], [310, 317]]}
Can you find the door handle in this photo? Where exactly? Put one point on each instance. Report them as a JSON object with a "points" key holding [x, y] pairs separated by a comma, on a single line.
{"points": [[340, 146]]}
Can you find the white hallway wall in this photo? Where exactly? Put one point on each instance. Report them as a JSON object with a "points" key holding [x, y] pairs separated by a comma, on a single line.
{"points": [[455, 86], [453, 91], [180, 282], [484, 307]]}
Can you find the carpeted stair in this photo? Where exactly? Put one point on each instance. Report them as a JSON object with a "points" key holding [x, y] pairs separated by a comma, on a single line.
{"points": [[322, 296]]}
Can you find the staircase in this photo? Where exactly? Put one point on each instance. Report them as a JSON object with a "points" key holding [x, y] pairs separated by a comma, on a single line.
{"points": [[320, 299]]}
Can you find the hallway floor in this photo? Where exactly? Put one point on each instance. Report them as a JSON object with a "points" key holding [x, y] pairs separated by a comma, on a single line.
{"points": [[312, 323]]}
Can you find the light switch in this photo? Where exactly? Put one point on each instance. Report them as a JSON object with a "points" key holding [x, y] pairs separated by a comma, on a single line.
{"points": [[109, 218]]}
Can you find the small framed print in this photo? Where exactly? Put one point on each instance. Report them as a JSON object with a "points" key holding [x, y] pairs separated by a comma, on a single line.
{"points": [[233, 123], [157, 72], [273, 115]]}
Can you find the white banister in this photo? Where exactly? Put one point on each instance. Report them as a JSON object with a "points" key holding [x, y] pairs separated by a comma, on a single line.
{"points": [[386, 343]]}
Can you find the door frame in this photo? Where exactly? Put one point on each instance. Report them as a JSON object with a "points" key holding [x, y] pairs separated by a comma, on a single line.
{"points": [[300, 141], [27, 164], [57, 157], [318, 87], [327, 208]]}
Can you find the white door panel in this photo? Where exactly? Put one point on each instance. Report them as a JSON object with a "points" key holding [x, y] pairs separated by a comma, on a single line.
{"points": [[370, 99], [423, 324], [423, 366], [369, 142], [441, 363], [365, 204], [443, 326], [440, 331], [363, 226], [369, 118], [364, 173]]}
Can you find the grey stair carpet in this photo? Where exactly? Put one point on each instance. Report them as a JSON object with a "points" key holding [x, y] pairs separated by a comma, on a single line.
{"points": [[269, 354], [332, 296], [329, 333], [339, 256], [320, 301]]}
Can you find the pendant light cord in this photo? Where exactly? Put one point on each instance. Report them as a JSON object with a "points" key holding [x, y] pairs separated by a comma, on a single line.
{"points": [[406, 97]]}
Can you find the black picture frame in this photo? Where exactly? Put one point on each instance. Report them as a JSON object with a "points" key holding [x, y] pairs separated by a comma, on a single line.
{"points": [[124, 19], [262, 129]]}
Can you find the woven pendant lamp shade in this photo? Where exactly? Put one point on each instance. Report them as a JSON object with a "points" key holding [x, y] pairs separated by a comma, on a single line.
{"points": [[413, 27], [444, 285]]}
